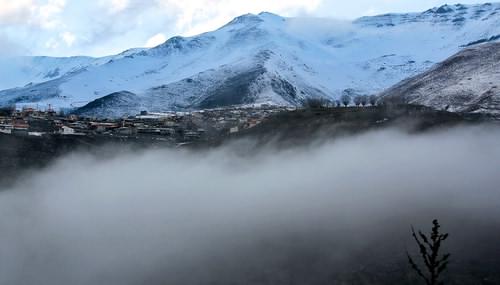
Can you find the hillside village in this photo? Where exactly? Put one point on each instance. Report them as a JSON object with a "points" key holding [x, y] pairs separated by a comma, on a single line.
{"points": [[173, 127]]}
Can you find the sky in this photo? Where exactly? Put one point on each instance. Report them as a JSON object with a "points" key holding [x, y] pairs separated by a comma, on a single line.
{"points": [[105, 27]]}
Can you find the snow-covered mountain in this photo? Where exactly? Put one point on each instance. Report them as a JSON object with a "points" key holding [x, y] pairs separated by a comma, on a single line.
{"points": [[255, 59], [25, 70], [466, 82]]}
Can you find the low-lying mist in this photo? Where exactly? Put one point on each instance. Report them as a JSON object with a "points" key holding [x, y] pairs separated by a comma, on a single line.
{"points": [[332, 212]]}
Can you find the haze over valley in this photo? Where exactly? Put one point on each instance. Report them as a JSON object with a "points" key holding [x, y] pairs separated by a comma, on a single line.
{"points": [[331, 212]]}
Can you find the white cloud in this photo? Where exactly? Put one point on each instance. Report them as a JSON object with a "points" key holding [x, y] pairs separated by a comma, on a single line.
{"points": [[109, 26], [116, 6], [46, 15], [156, 40], [197, 16], [52, 44], [42, 14], [68, 38], [17, 11]]}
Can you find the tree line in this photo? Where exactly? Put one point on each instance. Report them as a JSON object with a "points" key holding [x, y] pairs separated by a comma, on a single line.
{"points": [[344, 101]]}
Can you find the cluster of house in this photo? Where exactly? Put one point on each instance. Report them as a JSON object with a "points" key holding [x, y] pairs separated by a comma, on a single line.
{"points": [[19, 122], [173, 126]]}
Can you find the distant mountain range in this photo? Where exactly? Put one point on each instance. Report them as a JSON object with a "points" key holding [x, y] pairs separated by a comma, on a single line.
{"points": [[267, 59]]}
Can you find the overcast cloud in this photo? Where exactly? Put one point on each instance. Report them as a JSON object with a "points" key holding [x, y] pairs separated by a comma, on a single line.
{"points": [[103, 27]]}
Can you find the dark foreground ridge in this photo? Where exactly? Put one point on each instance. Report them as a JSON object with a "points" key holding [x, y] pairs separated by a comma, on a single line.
{"points": [[304, 125], [21, 153]]}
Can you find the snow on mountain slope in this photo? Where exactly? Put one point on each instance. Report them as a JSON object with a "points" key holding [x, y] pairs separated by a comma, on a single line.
{"points": [[466, 82], [24, 70], [266, 58], [21, 71]]}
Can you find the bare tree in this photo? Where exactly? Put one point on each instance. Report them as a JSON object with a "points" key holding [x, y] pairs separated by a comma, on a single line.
{"points": [[338, 103], [429, 247], [346, 100], [357, 100], [373, 100], [315, 102], [364, 100]]}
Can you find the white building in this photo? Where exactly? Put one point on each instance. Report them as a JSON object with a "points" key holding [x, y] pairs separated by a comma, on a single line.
{"points": [[67, 130]]}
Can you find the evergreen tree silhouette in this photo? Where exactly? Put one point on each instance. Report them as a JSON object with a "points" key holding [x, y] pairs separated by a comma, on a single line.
{"points": [[429, 247]]}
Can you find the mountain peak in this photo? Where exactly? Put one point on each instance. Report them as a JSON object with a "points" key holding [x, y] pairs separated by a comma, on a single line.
{"points": [[246, 19], [250, 18], [444, 9], [454, 15]]}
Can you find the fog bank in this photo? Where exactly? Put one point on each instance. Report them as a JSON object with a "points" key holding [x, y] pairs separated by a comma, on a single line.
{"points": [[308, 215]]}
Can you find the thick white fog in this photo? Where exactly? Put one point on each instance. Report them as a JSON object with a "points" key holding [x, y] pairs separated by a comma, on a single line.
{"points": [[231, 216]]}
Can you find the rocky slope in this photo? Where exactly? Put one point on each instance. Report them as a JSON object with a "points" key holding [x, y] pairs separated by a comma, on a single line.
{"points": [[466, 82]]}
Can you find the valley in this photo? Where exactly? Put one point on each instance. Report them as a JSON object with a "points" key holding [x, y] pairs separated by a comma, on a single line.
{"points": [[284, 147]]}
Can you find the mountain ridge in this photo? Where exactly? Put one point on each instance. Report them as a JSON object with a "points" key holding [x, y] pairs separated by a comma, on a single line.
{"points": [[268, 59]]}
